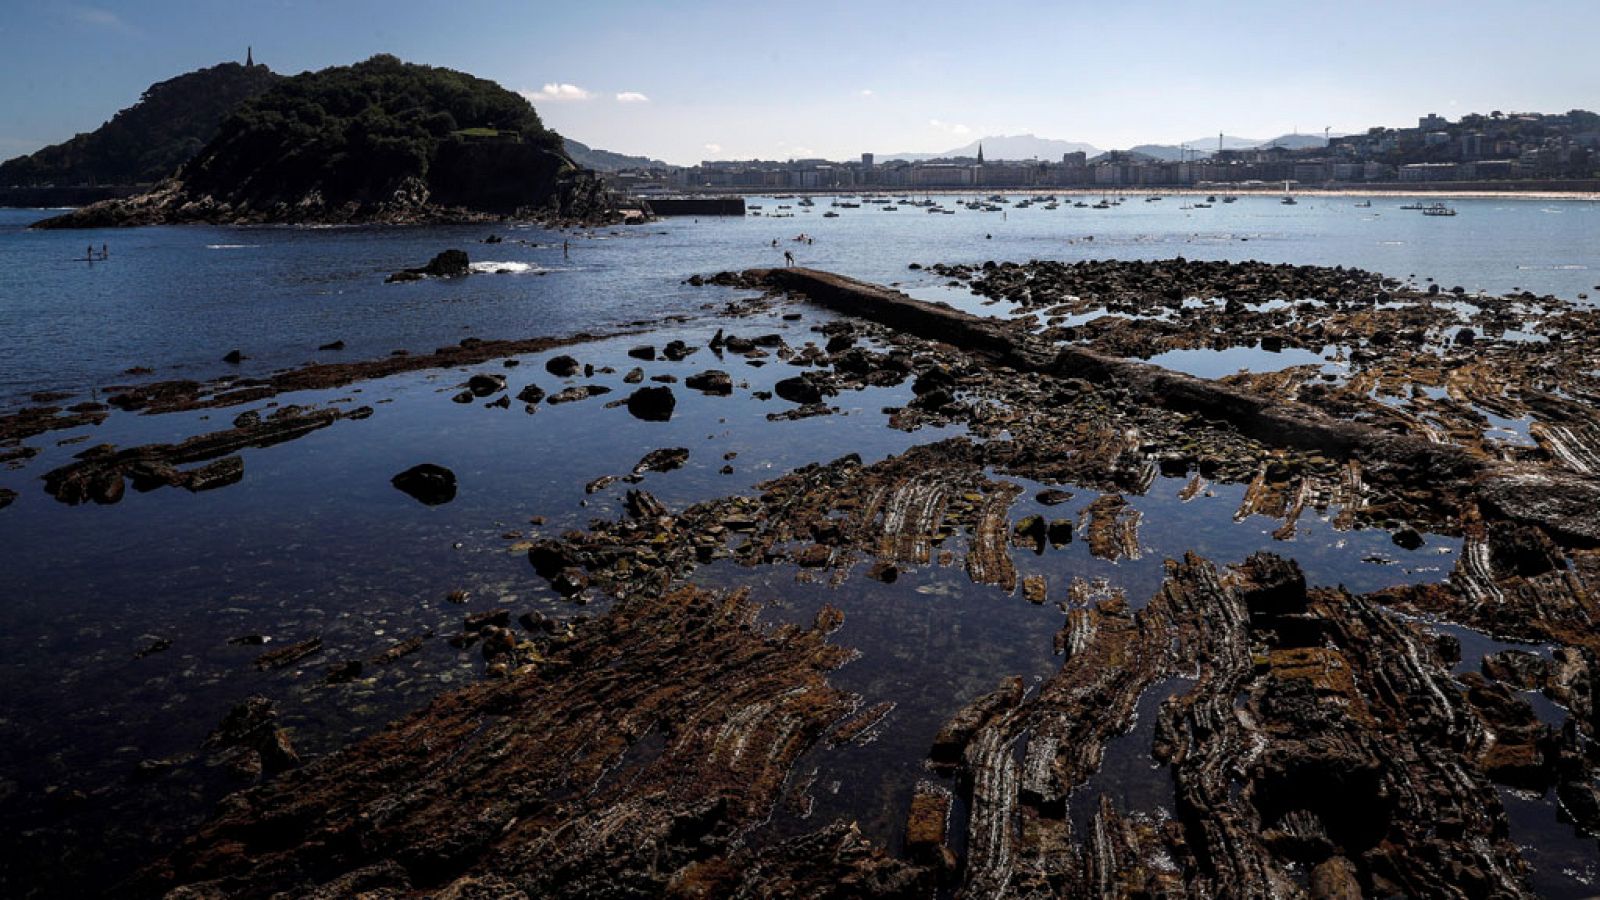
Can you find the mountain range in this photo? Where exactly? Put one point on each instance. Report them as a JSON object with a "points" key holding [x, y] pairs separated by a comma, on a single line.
{"points": [[607, 161], [1028, 146], [1002, 146]]}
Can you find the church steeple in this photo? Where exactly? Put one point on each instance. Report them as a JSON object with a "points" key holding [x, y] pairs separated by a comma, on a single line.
{"points": [[980, 153], [249, 57]]}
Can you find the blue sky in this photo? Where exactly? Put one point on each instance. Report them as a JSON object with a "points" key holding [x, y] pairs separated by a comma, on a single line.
{"points": [[687, 81]]}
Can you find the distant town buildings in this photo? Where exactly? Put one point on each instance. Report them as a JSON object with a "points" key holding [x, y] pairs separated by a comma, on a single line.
{"points": [[1494, 147]]}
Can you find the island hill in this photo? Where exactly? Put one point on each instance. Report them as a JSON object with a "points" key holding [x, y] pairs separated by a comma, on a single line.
{"points": [[378, 141], [171, 122]]}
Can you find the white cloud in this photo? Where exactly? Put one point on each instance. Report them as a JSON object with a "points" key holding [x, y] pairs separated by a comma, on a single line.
{"points": [[632, 97], [558, 93], [865, 92], [950, 127], [713, 148], [802, 152]]}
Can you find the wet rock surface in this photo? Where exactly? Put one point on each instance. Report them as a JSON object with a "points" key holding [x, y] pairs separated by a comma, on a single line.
{"points": [[630, 758], [1296, 739], [447, 264]]}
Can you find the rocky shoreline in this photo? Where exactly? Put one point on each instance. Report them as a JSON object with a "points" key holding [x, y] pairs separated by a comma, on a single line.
{"points": [[1307, 740], [579, 202]]}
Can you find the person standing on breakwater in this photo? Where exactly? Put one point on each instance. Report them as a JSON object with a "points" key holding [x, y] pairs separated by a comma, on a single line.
{"points": [[566, 249], [105, 252], [88, 253]]}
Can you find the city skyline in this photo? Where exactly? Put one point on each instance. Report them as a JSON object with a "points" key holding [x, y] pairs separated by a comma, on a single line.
{"points": [[723, 81]]}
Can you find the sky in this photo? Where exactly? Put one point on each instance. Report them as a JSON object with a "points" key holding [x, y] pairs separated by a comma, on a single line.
{"points": [[687, 81]]}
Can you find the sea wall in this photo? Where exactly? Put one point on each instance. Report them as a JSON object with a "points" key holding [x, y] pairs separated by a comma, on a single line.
{"points": [[697, 206]]}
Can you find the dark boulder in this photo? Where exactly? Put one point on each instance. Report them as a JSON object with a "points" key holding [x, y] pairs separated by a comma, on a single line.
{"points": [[486, 385], [933, 380], [652, 404], [427, 483], [449, 264], [677, 350], [802, 389], [563, 366], [711, 381]]}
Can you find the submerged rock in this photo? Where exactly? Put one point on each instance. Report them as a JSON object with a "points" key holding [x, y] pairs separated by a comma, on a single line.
{"points": [[664, 460], [428, 483], [577, 392]]}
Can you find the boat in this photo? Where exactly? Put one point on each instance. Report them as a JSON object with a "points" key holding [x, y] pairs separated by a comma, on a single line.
{"points": [[805, 201], [1418, 205], [1229, 199], [1438, 209], [1365, 204], [1287, 199], [891, 209], [830, 214]]}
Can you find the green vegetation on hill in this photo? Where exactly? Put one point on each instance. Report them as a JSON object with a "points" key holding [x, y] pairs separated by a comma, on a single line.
{"points": [[149, 140], [360, 134]]}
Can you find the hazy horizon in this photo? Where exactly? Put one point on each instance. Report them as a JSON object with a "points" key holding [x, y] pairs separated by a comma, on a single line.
{"points": [[725, 81]]}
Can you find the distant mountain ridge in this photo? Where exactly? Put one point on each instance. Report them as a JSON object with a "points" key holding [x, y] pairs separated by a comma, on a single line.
{"points": [[1029, 146], [149, 140], [607, 161], [997, 147], [1207, 147]]}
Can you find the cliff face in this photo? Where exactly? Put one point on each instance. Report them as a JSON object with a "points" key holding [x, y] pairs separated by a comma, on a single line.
{"points": [[380, 141], [149, 140]]}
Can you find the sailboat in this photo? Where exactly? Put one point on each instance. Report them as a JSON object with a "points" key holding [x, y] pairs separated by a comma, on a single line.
{"points": [[1287, 199]]}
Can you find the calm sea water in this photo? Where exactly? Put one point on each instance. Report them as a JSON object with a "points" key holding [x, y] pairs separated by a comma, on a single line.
{"points": [[315, 541], [178, 299]]}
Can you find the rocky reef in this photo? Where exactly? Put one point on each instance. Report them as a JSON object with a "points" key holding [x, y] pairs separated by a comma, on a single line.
{"points": [[1233, 728]]}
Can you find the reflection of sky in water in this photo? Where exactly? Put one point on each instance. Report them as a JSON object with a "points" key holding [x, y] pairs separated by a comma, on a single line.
{"points": [[1208, 363], [165, 300]]}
